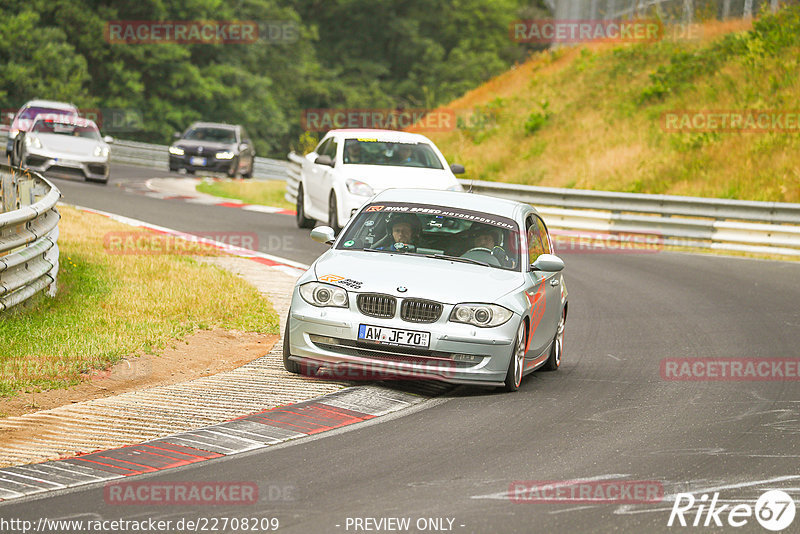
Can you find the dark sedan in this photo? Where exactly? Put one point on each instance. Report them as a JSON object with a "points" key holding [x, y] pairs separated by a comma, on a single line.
{"points": [[213, 147]]}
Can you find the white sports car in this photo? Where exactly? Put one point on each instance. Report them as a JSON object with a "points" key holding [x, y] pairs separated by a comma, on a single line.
{"points": [[65, 144], [438, 285], [349, 166]]}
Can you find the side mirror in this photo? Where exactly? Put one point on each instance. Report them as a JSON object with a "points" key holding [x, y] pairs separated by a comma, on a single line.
{"points": [[324, 160], [176, 135], [108, 139], [457, 168], [548, 262], [323, 234]]}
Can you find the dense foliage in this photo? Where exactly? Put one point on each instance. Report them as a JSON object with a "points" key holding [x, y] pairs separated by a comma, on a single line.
{"points": [[349, 53]]}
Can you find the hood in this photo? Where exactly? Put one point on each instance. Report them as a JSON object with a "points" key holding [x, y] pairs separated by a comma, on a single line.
{"points": [[381, 177], [65, 144], [207, 145], [427, 278]]}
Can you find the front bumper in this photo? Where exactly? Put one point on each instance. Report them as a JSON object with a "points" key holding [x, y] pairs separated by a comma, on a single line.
{"points": [[212, 164], [325, 341], [92, 168]]}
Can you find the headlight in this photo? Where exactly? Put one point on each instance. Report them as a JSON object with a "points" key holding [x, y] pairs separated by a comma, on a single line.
{"points": [[13, 133], [101, 151], [32, 141], [318, 294], [176, 151], [483, 315], [227, 154], [456, 187], [359, 188]]}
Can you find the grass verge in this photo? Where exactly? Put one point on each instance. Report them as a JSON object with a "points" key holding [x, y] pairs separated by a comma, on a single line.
{"points": [[592, 117], [267, 193], [112, 305]]}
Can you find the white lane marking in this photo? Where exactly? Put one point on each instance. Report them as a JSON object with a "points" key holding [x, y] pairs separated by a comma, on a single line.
{"points": [[576, 508], [612, 356], [566, 483]]}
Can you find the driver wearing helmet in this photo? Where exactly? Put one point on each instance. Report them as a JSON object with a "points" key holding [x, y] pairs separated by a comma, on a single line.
{"points": [[404, 230]]}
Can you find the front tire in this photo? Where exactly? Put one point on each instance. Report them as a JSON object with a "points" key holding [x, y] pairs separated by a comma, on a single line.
{"points": [[517, 364], [333, 214], [301, 219], [289, 365], [556, 350]]}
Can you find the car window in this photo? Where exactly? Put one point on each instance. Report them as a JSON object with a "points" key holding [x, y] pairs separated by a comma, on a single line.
{"points": [[545, 236], [330, 149], [370, 151], [536, 241], [214, 135], [322, 146], [435, 231], [72, 128], [31, 112]]}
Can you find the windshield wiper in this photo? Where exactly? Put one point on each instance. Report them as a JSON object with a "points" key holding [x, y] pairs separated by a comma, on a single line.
{"points": [[456, 258]]}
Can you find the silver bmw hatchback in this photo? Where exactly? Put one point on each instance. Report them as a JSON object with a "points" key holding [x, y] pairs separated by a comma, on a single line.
{"points": [[438, 285]]}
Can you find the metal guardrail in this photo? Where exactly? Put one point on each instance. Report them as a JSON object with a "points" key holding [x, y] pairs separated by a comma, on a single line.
{"points": [[157, 157], [737, 225], [28, 236]]}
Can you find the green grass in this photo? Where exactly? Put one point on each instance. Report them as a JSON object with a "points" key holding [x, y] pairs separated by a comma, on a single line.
{"points": [[590, 117], [112, 305], [267, 193]]}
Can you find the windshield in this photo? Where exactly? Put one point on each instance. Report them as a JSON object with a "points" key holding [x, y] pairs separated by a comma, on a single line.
{"points": [[215, 135], [367, 151], [435, 231], [64, 126], [30, 113]]}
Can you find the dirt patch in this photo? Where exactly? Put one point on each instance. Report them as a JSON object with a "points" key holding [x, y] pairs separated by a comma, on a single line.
{"points": [[204, 353]]}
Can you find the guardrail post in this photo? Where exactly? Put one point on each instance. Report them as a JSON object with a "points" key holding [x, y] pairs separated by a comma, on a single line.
{"points": [[8, 192]]}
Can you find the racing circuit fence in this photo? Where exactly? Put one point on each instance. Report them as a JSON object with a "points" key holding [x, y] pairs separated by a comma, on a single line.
{"points": [[28, 236], [735, 225], [669, 11]]}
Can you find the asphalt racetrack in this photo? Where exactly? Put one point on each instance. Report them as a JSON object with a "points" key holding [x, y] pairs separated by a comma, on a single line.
{"points": [[468, 461]]}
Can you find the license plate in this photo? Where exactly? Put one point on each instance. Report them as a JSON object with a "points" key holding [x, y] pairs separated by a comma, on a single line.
{"points": [[69, 162], [393, 336], [194, 160]]}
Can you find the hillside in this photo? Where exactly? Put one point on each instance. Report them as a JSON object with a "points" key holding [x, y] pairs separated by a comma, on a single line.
{"points": [[592, 117]]}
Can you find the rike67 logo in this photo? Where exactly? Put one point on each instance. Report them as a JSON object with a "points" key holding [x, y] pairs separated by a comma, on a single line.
{"points": [[774, 510]]}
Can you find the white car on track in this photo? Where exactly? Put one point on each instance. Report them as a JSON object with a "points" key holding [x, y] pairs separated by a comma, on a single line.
{"points": [[350, 166], [65, 145]]}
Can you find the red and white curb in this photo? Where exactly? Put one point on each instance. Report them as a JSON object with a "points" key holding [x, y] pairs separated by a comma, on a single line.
{"points": [[283, 264], [256, 431], [190, 195]]}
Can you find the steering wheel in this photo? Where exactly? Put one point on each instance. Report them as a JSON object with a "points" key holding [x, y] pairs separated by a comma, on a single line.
{"points": [[482, 254]]}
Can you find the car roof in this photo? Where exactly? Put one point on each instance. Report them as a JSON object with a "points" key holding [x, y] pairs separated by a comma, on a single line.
{"points": [[214, 125], [49, 104], [455, 199], [392, 135]]}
